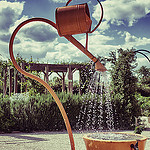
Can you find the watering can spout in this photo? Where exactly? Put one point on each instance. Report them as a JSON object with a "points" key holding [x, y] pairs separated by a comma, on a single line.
{"points": [[100, 67]]}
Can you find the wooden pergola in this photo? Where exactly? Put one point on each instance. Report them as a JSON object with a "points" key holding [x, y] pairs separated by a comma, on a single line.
{"points": [[47, 69]]}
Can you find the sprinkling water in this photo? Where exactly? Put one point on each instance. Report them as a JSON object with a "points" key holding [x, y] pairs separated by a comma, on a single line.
{"points": [[96, 99], [114, 136]]}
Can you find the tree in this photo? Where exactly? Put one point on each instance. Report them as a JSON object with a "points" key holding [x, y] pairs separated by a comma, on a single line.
{"points": [[144, 75], [123, 86], [144, 81]]}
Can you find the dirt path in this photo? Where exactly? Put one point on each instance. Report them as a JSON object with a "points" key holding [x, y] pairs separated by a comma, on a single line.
{"points": [[46, 141]]}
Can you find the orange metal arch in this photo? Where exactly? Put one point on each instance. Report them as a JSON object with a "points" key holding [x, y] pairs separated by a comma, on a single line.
{"points": [[66, 120]]}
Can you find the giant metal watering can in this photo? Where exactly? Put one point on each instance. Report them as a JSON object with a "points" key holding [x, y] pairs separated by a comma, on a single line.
{"points": [[73, 19], [69, 20]]}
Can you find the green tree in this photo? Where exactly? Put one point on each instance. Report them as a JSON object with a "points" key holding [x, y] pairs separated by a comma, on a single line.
{"points": [[124, 87], [144, 81], [144, 75]]}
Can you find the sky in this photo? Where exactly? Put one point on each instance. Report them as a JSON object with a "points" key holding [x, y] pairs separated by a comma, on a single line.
{"points": [[126, 25]]}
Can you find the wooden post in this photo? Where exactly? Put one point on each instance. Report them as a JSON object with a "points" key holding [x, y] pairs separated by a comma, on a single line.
{"points": [[5, 82], [136, 121], [63, 82], [70, 80], [15, 80], [79, 83], [46, 76], [22, 77], [10, 80]]}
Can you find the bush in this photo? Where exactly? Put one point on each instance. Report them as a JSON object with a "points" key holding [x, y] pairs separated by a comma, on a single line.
{"points": [[144, 102], [35, 112], [6, 118], [139, 129], [42, 113]]}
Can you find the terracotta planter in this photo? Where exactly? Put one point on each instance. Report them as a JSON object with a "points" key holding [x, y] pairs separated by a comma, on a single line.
{"points": [[109, 144]]}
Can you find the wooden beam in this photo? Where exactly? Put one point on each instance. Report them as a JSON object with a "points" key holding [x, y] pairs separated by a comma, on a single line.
{"points": [[75, 69], [52, 67], [70, 69], [59, 75]]}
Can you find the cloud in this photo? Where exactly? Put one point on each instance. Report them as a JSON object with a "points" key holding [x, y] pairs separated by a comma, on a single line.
{"points": [[59, 1], [9, 12], [34, 39], [129, 38], [96, 38], [40, 32], [29, 48], [142, 61], [118, 12], [5, 37], [133, 41], [67, 51]]}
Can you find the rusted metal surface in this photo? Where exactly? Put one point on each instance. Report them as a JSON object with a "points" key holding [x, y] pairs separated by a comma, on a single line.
{"points": [[73, 19]]}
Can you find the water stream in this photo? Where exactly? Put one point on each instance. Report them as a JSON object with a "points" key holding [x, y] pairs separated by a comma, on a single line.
{"points": [[96, 111]]}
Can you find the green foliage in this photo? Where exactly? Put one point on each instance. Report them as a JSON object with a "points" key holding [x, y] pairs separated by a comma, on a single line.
{"points": [[144, 75], [38, 112], [144, 81], [56, 84], [123, 86], [6, 117], [144, 102], [139, 129]]}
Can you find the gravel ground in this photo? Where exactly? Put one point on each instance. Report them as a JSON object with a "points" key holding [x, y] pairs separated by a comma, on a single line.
{"points": [[47, 141]]}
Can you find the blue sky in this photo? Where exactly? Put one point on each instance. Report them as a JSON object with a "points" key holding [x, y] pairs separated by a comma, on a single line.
{"points": [[126, 24]]}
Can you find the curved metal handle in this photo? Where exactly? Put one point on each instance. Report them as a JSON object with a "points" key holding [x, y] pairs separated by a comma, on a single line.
{"points": [[102, 14], [59, 104], [135, 147]]}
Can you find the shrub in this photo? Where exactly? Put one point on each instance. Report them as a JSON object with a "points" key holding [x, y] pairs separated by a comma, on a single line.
{"points": [[144, 102], [6, 117], [139, 129], [40, 112]]}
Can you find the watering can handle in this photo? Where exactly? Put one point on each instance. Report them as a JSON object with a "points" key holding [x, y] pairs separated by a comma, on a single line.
{"points": [[135, 147], [100, 18]]}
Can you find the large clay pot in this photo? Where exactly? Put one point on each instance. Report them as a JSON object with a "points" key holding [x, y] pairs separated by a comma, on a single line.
{"points": [[114, 144]]}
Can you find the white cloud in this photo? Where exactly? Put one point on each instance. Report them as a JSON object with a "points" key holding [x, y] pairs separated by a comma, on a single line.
{"points": [[17, 22], [59, 1], [34, 39], [68, 51], [96, 38], [142, 61], [40, 32], [116, 12], [9, 13], [133, 41], [29, 47], [130, 38]]}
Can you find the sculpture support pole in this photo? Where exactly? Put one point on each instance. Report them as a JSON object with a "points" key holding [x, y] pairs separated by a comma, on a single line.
{"points": [[39, 79]]}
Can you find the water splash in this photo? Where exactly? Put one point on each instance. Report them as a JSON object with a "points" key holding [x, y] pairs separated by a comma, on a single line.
{"points": [[95, 100]]}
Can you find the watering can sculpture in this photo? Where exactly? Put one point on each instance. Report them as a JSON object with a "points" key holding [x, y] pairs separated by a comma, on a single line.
{"points": [[69, 20]]}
